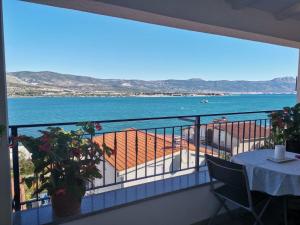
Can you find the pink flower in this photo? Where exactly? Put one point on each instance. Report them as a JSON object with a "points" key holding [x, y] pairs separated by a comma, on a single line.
{"points": [[112, 151], [45, 138], [280, 122], [98, 126], [76, 152], [60, 192], [45, 147], [14, 141]]}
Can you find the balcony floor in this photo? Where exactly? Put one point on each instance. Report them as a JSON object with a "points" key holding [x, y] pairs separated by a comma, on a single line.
{"points": [[113, 199], [273, 215]]}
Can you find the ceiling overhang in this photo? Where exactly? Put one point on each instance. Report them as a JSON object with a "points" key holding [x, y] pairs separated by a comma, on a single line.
{"points": [[233, 18]]}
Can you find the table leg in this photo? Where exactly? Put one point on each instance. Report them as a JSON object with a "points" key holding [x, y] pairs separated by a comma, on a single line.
{"points": [[285, 205]]}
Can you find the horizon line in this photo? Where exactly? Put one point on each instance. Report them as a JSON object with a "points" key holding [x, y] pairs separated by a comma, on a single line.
{"points": [[192, 78]]}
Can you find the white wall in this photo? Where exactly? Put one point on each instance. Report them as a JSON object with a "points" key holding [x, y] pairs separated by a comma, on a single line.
{"points": [[190, 135], [109, 179], [181, 208], [253, 145], [222, 139], [150, 167], [160, 164], [237, 145]]}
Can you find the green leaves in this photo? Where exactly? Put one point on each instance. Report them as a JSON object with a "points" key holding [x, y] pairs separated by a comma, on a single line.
{"points": [[65, 159], [88, 128], [285, 124], [29, 181], [107, 150], [26, 166]]}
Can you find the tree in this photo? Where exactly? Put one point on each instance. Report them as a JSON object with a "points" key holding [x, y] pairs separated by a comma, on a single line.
{"points": [[26, 165]]}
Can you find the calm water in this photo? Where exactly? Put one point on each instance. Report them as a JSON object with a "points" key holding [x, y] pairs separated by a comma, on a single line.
{"points": [[47, 110]]}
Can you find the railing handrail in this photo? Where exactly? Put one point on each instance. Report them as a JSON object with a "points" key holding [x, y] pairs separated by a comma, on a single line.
{"points": [[139, 119], [194, 139]]}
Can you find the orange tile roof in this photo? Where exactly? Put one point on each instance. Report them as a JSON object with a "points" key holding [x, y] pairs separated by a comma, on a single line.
{"points": [[246, 129], [237, 129], [148, 147], [22, 192]]}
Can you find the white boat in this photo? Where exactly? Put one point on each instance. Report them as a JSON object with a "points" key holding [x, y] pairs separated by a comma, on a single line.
{"points": [[204, 101]]}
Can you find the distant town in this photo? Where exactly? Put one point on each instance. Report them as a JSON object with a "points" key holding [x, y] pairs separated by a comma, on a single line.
{"points": [[45, 83]]}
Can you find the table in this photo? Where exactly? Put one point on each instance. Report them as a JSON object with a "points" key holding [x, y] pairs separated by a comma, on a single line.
{"points": [[276, 179]]}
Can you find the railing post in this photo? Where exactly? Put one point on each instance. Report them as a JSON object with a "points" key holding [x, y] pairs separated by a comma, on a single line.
{"points": [[197, 141], [16, 168]]}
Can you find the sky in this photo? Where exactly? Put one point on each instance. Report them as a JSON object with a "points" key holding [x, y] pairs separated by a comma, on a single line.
{"points": [[43, 38]]}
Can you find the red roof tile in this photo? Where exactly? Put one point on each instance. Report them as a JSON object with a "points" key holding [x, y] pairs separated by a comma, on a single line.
{"points": [[247, 130], [141, 147]]}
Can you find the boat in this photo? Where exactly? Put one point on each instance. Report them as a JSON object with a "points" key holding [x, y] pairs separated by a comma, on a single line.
{"points": [[204, 101]]}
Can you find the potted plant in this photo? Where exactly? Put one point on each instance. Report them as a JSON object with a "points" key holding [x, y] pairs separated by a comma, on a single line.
{"points": [[286, 128], [64, 161]]}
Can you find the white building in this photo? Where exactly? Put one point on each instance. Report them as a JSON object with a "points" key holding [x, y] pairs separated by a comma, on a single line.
{"points": [[144, 156], [233, 137]]}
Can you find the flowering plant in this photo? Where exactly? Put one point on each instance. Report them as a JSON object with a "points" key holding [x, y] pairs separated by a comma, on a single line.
{"points": [[64, 160], [285, 124]]}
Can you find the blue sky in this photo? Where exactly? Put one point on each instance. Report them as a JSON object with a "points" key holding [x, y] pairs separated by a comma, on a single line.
{"points": [[46, 38]]}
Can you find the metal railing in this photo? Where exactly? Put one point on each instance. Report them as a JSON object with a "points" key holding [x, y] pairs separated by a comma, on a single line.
{"points": [[160, 147]]}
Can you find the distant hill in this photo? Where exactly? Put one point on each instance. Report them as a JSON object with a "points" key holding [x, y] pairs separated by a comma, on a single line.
{"points": [[45, 83]]}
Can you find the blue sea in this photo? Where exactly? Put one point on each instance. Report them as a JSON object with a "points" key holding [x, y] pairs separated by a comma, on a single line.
{"points": [[69, 109]]}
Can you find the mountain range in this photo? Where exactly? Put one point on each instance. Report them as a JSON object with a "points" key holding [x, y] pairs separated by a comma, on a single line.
{"points": [[46, 83]]}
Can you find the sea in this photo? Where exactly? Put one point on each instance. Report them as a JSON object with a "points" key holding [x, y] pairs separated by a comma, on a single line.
{"points": [[37, 110]]}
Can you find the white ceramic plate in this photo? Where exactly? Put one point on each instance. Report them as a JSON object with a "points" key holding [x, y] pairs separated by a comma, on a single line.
{"points": [[287, 159]]}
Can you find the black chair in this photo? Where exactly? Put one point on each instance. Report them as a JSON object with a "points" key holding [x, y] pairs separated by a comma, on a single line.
{"points": [[234, 188]]}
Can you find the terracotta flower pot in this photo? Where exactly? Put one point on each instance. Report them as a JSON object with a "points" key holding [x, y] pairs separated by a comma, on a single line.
{"points": [[65, 204]]}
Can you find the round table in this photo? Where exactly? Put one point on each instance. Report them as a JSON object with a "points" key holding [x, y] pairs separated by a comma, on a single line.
{"points": [[276, 179]]}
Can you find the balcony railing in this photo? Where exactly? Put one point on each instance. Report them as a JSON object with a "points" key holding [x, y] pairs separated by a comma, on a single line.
{"points": [[145, 149]]}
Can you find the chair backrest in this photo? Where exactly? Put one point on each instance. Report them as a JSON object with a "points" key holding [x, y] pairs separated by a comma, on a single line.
{"points": [[231, 174]]}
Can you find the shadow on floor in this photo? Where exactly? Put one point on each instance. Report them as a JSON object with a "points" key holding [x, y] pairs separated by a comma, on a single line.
{"points": [[272, 216]]}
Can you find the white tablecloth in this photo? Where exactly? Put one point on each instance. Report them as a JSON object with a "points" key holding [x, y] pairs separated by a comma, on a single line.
{"points": [[276, 179]]}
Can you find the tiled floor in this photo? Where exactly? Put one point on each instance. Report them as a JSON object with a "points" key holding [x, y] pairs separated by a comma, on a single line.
{"points": [[99, 202], [272, 216]]}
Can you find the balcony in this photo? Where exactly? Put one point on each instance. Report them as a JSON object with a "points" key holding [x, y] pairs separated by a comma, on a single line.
{"points": [[157, 174], [156, 161]]}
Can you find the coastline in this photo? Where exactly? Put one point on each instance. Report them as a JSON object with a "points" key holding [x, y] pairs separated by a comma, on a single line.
{"points": [[153, 95]]}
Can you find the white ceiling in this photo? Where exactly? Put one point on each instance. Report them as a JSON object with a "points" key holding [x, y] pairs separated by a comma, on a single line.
{"points": [[280, 9], [270, 21]]}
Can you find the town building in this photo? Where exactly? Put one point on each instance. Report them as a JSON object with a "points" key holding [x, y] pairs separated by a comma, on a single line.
{"points": [[139, 157], [232, 137]]}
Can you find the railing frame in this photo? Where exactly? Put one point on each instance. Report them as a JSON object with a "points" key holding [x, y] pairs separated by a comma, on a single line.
{"points": [[16, 169], [197, 126], [197, 141]]}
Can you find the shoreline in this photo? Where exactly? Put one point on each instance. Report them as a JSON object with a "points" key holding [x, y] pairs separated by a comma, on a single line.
{"points": [[148, 96]]}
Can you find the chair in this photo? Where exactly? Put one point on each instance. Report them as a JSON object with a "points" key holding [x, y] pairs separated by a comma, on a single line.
{"points": [[235, 188]]}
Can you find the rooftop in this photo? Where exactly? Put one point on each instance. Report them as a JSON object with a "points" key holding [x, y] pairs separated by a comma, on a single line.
{"points": [[148, 146], [244, 130]]}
